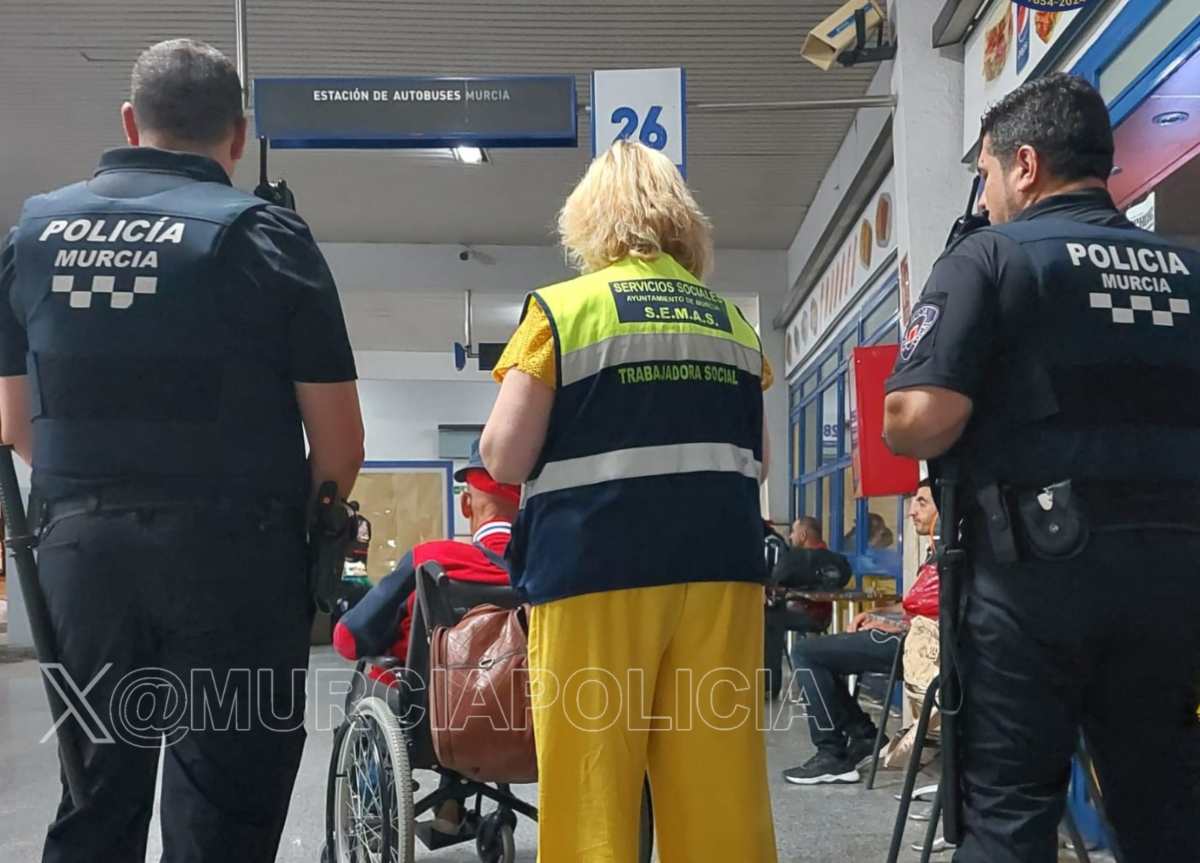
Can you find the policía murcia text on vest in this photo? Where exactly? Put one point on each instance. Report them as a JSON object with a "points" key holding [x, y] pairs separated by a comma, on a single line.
{"points": [[1130, 268], [110, 232]]}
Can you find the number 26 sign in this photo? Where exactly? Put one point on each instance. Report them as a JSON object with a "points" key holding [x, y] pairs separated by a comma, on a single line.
{"points": [[647, 105]]}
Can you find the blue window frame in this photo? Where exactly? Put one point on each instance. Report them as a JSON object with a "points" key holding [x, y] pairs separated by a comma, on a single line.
{"points": [[822, 477], [1119, 33]]}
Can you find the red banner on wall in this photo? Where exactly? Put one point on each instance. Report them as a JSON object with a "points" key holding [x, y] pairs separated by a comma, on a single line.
{"points": [[877, 471]]}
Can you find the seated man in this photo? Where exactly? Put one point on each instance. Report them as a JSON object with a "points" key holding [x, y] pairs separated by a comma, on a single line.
{"points": [[800, 616], [379, 624], [841, 730], [381, 621]]}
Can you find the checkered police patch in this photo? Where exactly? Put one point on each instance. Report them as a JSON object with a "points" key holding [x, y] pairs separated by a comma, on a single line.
{"points": [[921, 323], [1155, 315], [80, 293]]}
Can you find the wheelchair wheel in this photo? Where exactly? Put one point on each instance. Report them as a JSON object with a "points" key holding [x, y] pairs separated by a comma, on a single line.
{"points": [[646, 837], [495, 842], [369, 804]]}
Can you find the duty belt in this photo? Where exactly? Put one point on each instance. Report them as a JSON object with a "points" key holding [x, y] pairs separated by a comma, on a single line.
{"points": [[1053, 522], [1140, 504], [268, 510]]}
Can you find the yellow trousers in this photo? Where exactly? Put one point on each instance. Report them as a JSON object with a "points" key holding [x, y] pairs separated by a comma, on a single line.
{"points": [[657, 680]]}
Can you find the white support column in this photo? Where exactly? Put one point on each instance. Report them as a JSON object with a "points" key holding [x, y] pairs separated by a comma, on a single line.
{"points": [[931, 182], [778, 492]]}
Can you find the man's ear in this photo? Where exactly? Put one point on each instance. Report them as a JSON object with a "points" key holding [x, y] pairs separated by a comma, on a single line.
{"points": [[464, 504], [237, 147], [1028, 165], [129, 123]]}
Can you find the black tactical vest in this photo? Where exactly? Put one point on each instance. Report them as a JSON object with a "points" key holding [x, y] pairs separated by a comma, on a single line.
{"points": [[137, 376], [1098, 375]]}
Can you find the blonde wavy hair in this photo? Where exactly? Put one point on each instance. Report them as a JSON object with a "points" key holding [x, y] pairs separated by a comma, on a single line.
{"points": [[633, 203]]}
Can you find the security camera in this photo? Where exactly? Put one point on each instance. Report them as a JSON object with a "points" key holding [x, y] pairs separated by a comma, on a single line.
{"points": [[842, 37], [464, 255]]}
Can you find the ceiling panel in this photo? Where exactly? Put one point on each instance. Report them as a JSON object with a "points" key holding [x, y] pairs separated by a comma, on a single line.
{"points": [[65, 66]]}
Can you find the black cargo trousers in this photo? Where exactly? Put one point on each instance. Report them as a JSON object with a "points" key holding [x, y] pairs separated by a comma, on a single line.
{"points": [[188, 630], [1107, 643]]}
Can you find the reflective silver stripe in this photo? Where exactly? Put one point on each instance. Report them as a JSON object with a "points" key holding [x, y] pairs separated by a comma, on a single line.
{"points": [[642, 462], [657, 347]]}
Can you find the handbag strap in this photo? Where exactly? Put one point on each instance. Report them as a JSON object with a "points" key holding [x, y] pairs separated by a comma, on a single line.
{"points": [[496, 559]]}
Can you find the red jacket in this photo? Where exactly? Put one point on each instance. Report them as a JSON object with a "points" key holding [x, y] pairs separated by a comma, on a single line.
{"points": [[380, 623]]}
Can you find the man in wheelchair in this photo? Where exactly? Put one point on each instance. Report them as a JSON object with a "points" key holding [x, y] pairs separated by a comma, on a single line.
{"points": [[381, 622]]}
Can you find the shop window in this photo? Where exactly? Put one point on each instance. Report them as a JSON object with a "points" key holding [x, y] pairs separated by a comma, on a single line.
{"points": [[849, 344], [812, 434], [887, 309], [849, 514], [890, 336], [830, 425], [810, 502], [1163, 27], [809, 385], [827, 526], [829, 367], [848, 417], [795, 451], [883, 529]]}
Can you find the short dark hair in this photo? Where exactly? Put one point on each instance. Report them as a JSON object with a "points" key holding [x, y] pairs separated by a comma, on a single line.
{"points": [[187, 91], [1063, 118], [810, 524], [926, 483]]}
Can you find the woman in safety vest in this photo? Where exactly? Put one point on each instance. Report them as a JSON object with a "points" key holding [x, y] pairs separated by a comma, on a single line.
{"points": [[631, 408]]}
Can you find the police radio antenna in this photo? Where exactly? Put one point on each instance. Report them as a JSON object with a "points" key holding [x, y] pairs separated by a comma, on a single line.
{"points": [[276, 193]]}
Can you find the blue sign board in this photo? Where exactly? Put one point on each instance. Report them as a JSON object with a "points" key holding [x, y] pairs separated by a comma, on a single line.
{"points": [[416, 112]]}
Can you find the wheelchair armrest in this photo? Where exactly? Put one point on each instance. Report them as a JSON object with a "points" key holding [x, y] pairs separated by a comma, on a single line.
{"points": [[384, 662], [467, 594]]}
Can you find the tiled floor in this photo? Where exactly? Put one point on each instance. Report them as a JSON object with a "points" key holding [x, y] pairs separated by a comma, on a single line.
{"points": [[843, 823]]}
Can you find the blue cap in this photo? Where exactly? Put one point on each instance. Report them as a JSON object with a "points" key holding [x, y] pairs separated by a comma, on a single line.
{"points": [[475, 462]]}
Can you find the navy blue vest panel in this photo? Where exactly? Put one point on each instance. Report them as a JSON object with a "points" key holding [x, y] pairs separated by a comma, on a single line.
{"points": [[1099, 374], [655, 415], [640, 532], [141, 369]]}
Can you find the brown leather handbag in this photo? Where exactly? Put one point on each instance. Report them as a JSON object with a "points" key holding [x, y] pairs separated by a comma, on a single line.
{"points": [[479, 696]]}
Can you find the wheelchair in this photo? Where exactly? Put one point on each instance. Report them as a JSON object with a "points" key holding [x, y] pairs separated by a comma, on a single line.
{"points": [[371, 807]]}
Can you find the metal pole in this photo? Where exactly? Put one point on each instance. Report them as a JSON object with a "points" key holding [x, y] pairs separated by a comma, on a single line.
{"points": [[243, 60], [468, 321], [793, 105]]}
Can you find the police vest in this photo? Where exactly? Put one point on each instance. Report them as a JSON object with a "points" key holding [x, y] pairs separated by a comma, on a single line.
{"points": [[650, 470], [137, 375], [1097, 378]]}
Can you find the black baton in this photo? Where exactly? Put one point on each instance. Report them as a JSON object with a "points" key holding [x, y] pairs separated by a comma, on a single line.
{"points": [[951, 565], [20, 544]]}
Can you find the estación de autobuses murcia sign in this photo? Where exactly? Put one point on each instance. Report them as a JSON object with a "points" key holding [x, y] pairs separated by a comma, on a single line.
{"points": [[860, 256], [411, 111]]}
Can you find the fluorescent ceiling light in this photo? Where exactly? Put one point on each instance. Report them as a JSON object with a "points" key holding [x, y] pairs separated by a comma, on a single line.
{"points": [[469, 155]]}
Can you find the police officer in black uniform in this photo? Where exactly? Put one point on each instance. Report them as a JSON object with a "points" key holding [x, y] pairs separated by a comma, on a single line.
{"points": [[1055, 358], [166, 341]]}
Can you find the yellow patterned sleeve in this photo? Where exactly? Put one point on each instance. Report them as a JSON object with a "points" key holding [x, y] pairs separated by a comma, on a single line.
{"points": [[531, 349], [768, 375]]}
